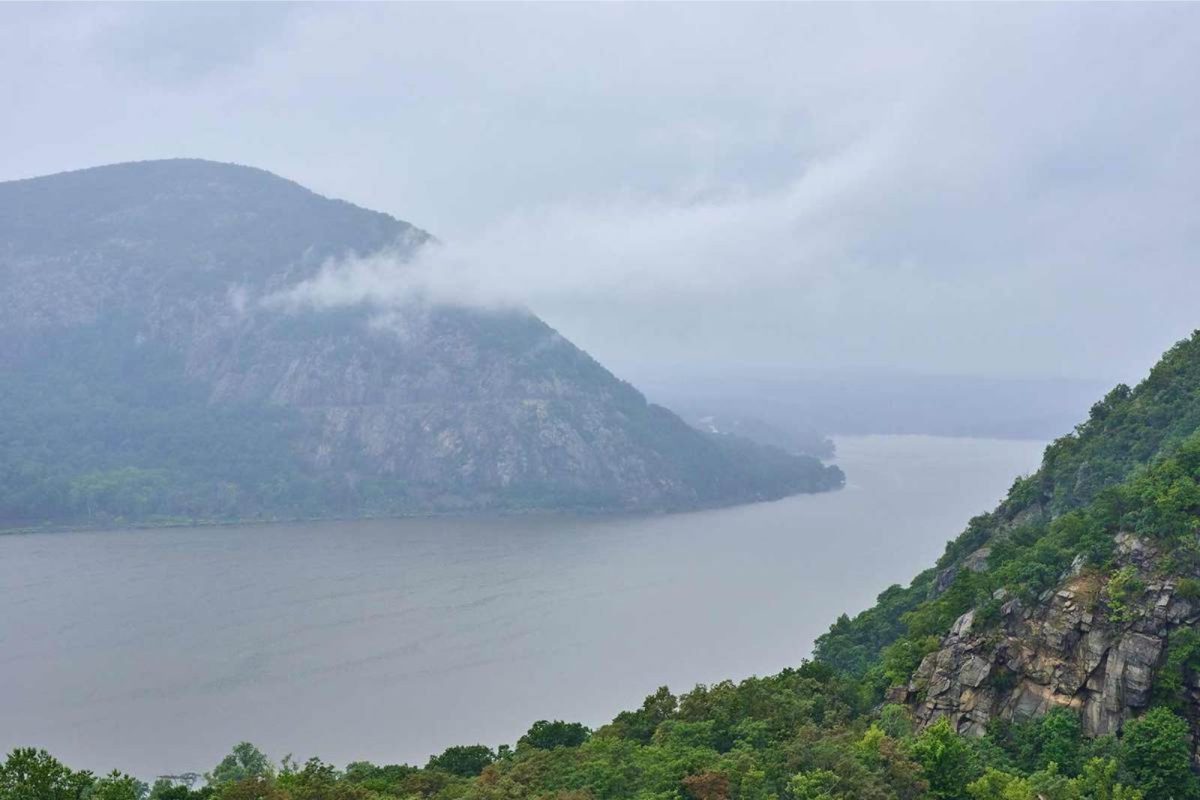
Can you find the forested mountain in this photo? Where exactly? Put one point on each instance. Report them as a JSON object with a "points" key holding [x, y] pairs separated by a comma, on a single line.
{"points": [[1051, 654], [146, 378]]}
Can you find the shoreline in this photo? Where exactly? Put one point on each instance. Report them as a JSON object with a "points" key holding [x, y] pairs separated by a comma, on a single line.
{"points": [[483, 513]]}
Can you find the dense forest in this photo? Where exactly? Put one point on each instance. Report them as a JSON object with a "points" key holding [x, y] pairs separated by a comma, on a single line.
{"points": [[826, 729], [805, 734]]}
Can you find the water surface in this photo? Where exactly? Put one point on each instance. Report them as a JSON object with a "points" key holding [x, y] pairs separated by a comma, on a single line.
{"points": [[156, 651]]}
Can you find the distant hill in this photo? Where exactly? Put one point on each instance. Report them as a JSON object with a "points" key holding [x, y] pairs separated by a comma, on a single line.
{"points": [[145, 380], [811, 402]]}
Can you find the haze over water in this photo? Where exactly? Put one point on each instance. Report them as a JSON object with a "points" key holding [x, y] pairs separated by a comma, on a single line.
{"points": [[156, 651]]}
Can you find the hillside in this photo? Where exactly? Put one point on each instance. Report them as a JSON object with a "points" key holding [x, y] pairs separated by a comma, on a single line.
{"points": [[146, 379], [1078, 596]]}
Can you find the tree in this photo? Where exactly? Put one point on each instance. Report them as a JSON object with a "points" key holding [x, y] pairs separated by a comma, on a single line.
{"points": [[896, 721], [1156, 756], [1047, 784], [116, 786], [817, 784], [1183, 662], [1060, 736], [640, 725], [466, 761], [255, 788], [317, 780], [245, 761], [996, 784], [549, 735], [707, 786], [377, 777], [1098, 781], [31, 774], [168, 789], [947, 760]]}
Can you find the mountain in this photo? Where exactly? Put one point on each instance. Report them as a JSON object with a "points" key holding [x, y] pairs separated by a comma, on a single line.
{"points": [[147, 378], [1079, 593]]}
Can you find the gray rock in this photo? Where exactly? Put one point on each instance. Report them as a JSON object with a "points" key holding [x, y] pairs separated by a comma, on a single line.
{"points": [[1057, 653]]}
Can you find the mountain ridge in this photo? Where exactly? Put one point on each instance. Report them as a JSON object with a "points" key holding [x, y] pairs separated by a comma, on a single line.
{"points": [[134, 320]]}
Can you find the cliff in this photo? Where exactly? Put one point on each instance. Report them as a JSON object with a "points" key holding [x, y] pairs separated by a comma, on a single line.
{"points": [[1094, 644]]}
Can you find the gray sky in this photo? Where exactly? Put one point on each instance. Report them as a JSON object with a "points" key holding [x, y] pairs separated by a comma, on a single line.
{"points": [[995, 190]]}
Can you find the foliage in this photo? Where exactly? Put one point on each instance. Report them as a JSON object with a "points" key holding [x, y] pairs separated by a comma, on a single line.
{"points": [[1123, 586], [948, 762], [640, 725], [549, 735], [116, 786], [1157, 755], [463, 760], [1182, 663], [93, 432], [1034, 744], [244, 762], [817, 784], [30, 774], [1049, 784], [793, 735]]}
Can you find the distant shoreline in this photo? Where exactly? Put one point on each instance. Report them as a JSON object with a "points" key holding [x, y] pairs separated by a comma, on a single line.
{"points": [[476, 513], [615, 513]]}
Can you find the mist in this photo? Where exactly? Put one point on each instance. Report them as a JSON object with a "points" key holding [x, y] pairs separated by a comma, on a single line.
{"points": [[934, 189]]}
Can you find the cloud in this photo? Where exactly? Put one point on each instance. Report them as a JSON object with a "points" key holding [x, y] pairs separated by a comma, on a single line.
{"points": [[985, 189], [644, 252], [179, 46]]}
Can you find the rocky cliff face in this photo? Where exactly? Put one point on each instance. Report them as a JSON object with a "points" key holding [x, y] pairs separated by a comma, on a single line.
{"points": [[136, 307], [1088, 645]]}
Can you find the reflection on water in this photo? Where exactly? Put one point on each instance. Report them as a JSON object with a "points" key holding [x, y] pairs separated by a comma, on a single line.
{"points": [[156, 651]]}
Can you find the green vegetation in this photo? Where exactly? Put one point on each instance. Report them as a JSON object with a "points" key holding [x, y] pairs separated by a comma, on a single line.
{"points": [[111, 434], [796, 735]]}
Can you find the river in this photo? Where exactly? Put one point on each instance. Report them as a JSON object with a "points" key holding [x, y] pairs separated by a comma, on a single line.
{"points": [[155, 651]]}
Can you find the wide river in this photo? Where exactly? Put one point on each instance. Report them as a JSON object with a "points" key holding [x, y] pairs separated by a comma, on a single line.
{"points": [[156, 651]]}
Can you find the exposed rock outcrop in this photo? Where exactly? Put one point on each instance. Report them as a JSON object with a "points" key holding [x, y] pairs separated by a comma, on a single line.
{"points": [[975, 561], [1075, 647]]}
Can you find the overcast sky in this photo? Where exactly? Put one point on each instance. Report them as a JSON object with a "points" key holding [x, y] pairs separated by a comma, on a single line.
{"points": [[989, 190]]}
